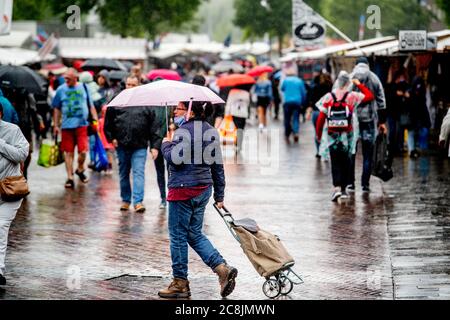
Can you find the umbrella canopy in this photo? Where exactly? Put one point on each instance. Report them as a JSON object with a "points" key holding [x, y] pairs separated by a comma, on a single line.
{"points": [[18, 77], [259, 70], [117, 75], [235, 80], [55, 68], [128, 65], [163, 93], [166, 74], [107, 64], [225, 66]]}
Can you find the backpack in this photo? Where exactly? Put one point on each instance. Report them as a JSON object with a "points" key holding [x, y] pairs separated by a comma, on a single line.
{"points": [[339, 115]]}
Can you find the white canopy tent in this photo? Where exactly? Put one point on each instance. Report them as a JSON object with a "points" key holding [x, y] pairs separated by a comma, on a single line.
{"points": [[111, 48], [16, 39], [392, 47], [324, 52], [19, 56]]}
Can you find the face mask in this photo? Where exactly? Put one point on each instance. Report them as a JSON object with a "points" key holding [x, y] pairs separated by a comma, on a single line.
{"points": [[179, 121]]}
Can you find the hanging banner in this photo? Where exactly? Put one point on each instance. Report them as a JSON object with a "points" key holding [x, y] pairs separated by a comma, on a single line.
{"points": [[6, 9], [309, 28]]}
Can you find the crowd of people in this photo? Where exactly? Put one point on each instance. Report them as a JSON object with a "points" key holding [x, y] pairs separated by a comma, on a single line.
{"points": [[346, 114]]}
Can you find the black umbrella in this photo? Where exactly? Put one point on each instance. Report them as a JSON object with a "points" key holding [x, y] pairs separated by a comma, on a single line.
{"points": [[117, 75], [128, 65], [103, 63], [18, 77]]}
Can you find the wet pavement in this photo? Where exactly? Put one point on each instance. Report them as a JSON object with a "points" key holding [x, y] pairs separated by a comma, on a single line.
{"points": [[393, 244]]}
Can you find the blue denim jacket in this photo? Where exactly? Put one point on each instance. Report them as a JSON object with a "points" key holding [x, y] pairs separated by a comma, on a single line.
{"points": [[194, 159]]}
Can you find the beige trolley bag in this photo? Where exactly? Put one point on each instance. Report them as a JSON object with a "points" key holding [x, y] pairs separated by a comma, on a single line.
{"points": [[267, 254]]}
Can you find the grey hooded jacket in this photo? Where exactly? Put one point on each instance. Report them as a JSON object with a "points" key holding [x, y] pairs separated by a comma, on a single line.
{"points": [[369, 112], [14, 149]]}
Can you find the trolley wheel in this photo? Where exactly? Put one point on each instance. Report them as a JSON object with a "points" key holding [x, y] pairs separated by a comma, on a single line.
{"points": [[271, 288], [286, 285]]}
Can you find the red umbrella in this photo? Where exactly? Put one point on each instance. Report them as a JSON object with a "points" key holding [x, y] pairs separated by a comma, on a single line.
{"points": [[235, 80], [259, 70], [166, 74], [55, 68]]}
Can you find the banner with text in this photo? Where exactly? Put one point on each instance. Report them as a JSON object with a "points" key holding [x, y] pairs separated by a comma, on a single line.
{"points": [[309, 28], [6, 9]]}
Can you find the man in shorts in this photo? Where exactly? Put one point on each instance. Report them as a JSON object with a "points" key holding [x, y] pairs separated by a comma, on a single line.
{"points": [[72, 103]]}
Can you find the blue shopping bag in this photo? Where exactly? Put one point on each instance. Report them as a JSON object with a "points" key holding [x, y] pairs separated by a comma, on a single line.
{"points": [[100, 156]]}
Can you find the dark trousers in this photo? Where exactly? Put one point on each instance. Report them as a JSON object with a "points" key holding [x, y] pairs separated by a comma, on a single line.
{"points": [[291, 118], [367, 133], [161, 175], [368, 148], [340, 166], [240, 125]]}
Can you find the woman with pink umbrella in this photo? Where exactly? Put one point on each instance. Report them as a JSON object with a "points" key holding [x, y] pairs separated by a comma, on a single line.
{"points": [[194, 176]]}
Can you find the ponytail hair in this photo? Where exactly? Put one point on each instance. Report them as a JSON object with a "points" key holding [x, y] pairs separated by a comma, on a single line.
{"points": [[202, 110]]}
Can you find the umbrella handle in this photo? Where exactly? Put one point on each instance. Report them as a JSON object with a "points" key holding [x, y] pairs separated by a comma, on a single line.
{"points": [[167, 119], [188, 115]]}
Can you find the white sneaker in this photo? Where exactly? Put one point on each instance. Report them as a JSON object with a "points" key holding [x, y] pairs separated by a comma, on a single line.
{"points": [[336, 195]]}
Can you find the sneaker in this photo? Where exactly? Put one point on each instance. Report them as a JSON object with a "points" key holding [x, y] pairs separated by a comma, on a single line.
{"points": [[163, 205], [70, 184], [82, 176], [2, 280], [178, 289], [139, 208], [344, 196], [351, 188], [366, 190], [336, 195], [227, 279], [125, 206]]}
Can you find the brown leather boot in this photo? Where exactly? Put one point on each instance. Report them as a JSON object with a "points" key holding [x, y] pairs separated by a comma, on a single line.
{"points": [[227, 276], [178, 289]]}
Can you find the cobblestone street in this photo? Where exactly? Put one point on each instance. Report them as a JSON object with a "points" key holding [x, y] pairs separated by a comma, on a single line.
{"points": [[393, 244]]}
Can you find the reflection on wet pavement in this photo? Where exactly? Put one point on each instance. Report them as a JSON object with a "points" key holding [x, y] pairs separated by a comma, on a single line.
{"points": [[391, 244]]}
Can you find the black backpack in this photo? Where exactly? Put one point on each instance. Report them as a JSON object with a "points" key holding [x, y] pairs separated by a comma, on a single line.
{"points": [[339, 115]]}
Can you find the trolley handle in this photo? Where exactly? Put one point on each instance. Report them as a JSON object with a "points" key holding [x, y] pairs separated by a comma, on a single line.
{"points": [[223, 212]]}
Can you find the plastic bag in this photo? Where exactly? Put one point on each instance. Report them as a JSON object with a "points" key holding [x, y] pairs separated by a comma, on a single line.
{"points": [[100, 157], [50, 154], [382, 163]]}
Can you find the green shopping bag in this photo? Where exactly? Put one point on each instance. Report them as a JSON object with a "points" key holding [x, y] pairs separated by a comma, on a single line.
{"points": [[50, 154]]}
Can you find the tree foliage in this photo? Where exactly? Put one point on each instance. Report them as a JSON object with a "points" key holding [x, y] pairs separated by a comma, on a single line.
{"points": [[345, 14], [444, 5], [124, 17]]}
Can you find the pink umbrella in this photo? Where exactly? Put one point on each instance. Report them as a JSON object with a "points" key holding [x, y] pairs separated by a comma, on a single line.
{"points": [[163, 73], [164, 93], [259, 70]]}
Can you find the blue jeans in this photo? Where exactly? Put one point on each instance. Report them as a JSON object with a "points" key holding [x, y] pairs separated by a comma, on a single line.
{"points": [[367, 133], [160, 167], [291, 118], [132, 160], [185, 227]]}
